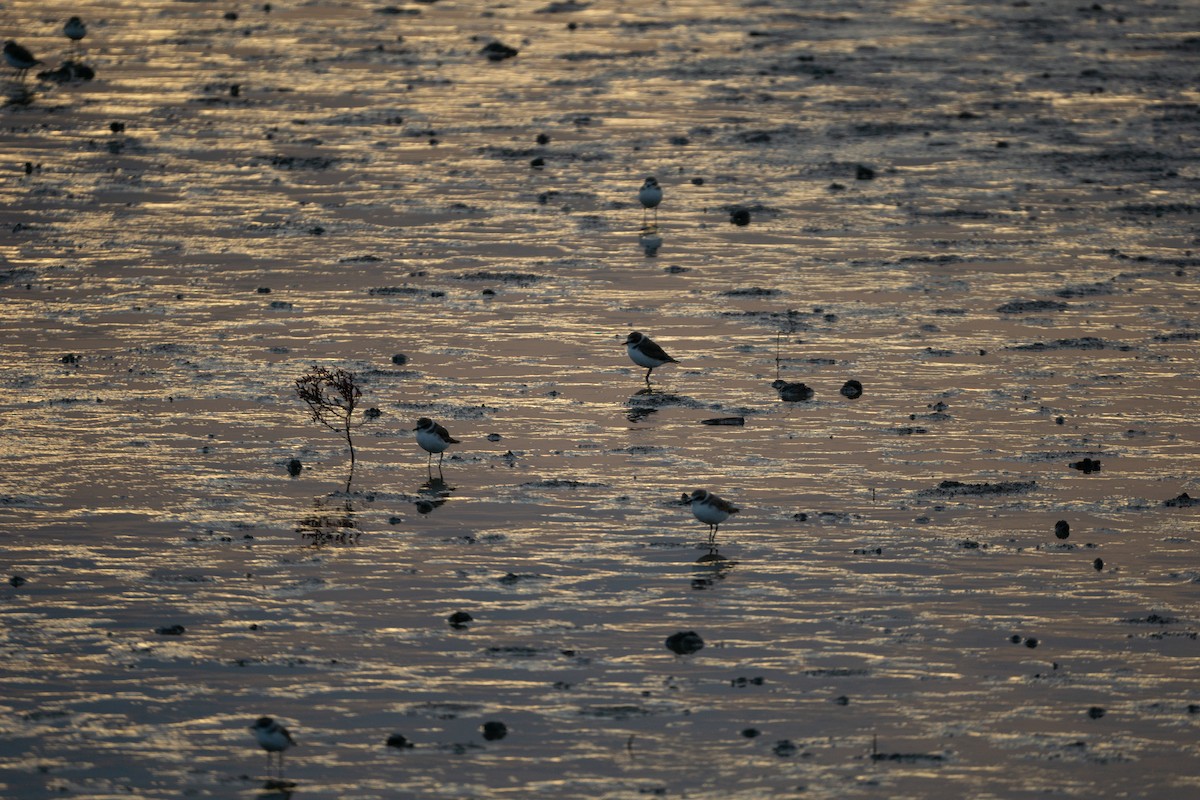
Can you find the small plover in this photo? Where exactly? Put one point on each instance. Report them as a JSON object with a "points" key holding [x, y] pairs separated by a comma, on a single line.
{"points": [[75, 29], [433, 438], [19, 58], [272, 737], [711, 510], [644, 352], [650, 195]]}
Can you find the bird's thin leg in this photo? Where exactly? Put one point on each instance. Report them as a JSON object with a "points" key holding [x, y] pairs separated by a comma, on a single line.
{"points": [[651, 369]]}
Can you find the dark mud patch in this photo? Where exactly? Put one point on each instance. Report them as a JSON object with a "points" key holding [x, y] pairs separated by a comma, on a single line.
{"points": [[1075, 343], [951, 488], [1031, 306]]}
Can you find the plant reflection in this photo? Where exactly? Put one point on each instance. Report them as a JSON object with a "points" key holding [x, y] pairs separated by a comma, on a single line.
{"points": [[434, 492], [710, 568], [331, 522]]}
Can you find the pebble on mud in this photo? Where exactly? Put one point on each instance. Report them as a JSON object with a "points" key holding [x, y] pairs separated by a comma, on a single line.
{"points": [[498, 51], [1087, 466], [294, 467], [851, 390], [751, 733], [684, 642], [724, 421], [1096, 712], [399, 359], [170, 630], [1062, 529], [1031, 642], [740, 216], [399, 741], [1098, 564], [864, 173], [784, 748], [459, 619], [494, 731], [16, 581], [792, 392]]}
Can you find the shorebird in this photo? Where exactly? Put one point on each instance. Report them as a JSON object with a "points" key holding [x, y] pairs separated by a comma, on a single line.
{"points": [[711, 510], [272, 737], [19, 58], [650, 195], [75, 29], [433, 438], [644, 352]]}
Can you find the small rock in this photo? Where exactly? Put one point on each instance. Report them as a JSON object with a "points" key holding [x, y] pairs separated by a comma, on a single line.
{"points": [[1062, 529], [1031, 642], [751, 733], [493, 437], [459, 619], [1098, 564], [16, 581], [685, 642], [116, 127], [498, 51], [864, 173], [1015, 638], [543, 139], [1096, 712], [170, 630], [399, 359], [852, 390], [792, 392], [494, 731], [1087, 466], [294, 467], [1182, 501], [537, 163], [784, 748], [740, 216], [399, 741], [372, 413], [724, 421]]}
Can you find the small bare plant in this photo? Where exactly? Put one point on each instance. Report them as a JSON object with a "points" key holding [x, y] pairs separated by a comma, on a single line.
{"points": [[332, 395]]}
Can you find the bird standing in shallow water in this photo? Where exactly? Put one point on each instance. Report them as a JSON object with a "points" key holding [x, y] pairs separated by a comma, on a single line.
{"points": [[644, 352], [19, 58], [650, 195], [433, 438], [75, 29], [711, 510], [272, 737]]}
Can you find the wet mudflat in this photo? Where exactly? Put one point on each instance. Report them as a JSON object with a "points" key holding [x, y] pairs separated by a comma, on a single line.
{"points": [[984, 213]]}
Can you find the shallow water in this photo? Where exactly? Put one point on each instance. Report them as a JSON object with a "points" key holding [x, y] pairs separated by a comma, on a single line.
{"points": [[1023, 256]]}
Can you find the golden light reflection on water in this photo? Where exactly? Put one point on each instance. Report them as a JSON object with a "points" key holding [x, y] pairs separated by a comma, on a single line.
{"points": [[341, 185]]}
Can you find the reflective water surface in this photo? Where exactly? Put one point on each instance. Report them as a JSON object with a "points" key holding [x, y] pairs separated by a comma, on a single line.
{"points": [[983, 212]]}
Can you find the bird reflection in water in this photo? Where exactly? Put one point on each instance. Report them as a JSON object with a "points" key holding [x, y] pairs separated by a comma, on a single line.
{"points": [[433, 493], [650, 241], [331, 522], [710, 568]]}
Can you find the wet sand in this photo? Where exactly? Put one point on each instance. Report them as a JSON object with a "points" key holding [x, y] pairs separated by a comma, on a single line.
{"points": [[983, 212]]}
